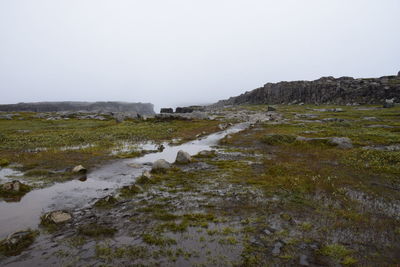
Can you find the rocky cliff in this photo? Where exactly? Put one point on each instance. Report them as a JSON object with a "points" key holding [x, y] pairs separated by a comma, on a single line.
{"points": [[140, 108], [326, 90]]}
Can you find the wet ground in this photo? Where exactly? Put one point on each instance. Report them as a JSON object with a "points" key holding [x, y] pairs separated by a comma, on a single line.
{"points": [[77, 194]]}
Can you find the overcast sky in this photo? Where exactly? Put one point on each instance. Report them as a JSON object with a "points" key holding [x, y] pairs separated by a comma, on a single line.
{"points": [[176, 52]]}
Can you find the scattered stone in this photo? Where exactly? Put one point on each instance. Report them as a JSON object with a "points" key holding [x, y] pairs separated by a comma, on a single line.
{"points": [[380, 126], [332, 120], [160, 148], [303, 261], [370, 119], [160, 165], [389, 103], [146, 174], [341, 142], [306, 116], [383, 148], [183, 157], [277, 249], [135, 165], [56, 217], [222, 126], [206, 154], [79, 169]]}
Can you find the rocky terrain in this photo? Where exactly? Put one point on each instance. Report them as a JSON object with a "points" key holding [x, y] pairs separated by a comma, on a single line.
{"points": [[139, 108], [256, 185], [326, 90]]}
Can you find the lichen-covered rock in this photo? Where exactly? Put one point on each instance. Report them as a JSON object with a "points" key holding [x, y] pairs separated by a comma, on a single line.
{"points": [[106, 201], [183, 157], [160, 165]]}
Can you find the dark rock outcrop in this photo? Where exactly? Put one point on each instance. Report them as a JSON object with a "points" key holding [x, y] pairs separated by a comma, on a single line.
{"points": [[326, 90], [166, 110], [139, 108]]}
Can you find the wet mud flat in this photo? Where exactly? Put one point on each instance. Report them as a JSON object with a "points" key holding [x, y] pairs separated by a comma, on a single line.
{"points": [[264, 197]]}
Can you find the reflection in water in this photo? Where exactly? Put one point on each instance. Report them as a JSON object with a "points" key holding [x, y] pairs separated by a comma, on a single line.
{"points": [[77, 194]]}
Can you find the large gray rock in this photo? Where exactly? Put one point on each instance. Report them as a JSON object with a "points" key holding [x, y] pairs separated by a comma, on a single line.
{"points": [[341, 142], [57, 217], [160, 165], [183, 157]]}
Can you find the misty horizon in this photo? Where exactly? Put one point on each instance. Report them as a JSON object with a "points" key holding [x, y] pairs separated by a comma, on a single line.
{"points": [[180, 53]]}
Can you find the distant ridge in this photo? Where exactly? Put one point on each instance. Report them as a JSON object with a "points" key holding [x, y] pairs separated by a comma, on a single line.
{"points": [[326, 90], [140, 108]]}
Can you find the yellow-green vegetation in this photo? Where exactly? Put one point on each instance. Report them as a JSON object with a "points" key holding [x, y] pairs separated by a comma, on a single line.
{"points": [[12, 248], [96, 230], [338, 253], [158, 240], [4, 162], [42, 145], [106, 202]]}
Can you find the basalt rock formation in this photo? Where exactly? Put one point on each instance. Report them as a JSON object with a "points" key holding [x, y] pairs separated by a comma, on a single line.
{"points": [[326, 90], [140, 108]]}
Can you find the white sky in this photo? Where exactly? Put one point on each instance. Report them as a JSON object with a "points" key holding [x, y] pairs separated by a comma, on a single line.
{"points": [[176, 52]]}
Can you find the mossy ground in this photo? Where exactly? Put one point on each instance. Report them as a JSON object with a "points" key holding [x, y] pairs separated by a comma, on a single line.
{"points": [[42, 146], [333, 206]]}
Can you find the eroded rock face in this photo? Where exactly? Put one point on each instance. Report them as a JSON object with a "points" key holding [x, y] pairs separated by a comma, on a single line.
{"points": [[183, 157], [160, 165], [326, 90], [57, 217]]}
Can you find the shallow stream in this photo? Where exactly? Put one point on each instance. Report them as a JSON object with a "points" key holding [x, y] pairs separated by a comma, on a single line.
{"points": [[76, 194]]}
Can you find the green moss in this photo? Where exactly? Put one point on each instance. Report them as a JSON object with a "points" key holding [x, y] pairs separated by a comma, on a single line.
{"points": [[158, 240], [106, 202], [96, 230], [13, 249], [4, 162], [130, 190], [278, 139], [37, 172], [335, 251]]}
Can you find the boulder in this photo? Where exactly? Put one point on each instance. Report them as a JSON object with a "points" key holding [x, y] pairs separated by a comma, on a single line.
{"points": [[389, 103], [56, 217], [160, 165], [79, 169], [183, 157], [341, 142], [166, 110], [14, 186], [146, 174]]}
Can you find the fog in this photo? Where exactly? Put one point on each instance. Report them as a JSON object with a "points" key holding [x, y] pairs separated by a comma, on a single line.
{"points": [[179, 52]]}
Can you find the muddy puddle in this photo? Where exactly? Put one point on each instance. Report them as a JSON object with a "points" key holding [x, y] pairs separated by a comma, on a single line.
{"points": [[75, 194]]}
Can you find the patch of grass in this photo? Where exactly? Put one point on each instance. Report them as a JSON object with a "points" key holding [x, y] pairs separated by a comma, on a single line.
{"points": [[37, 173], [106, 202], [158, 240], [107, 253], [96, 230], [130, 190], [13, 249], [4, 162], [306, 226], [278, 139], [335, 251]]}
